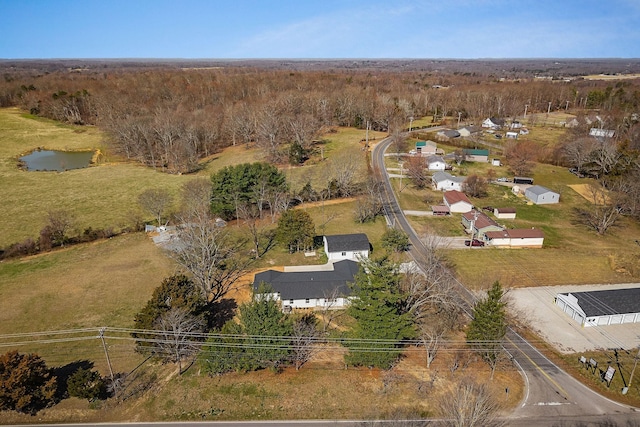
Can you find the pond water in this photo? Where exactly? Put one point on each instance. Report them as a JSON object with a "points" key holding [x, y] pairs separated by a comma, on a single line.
{"points": [[52, 160]]}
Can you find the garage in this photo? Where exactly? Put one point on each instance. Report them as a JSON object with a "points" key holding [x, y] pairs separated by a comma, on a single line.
{"points": [[601, 308]]}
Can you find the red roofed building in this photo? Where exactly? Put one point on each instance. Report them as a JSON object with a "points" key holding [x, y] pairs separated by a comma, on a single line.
{"points": [[457, 201], [477, 224]]}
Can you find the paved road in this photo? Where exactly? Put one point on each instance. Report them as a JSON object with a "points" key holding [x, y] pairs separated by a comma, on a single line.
{"points": [[552, 396]]}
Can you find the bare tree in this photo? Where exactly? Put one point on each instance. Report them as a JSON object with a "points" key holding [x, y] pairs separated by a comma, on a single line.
{"points": [[520, 157], [470, 404], [196, 197], [578, 151], [415, 167], [59, 223], [304, 339], [475, 186], [397, 142], [344, 171], [210, 254], [605, 209], [329, 311], [156, 201], [178, 335]]}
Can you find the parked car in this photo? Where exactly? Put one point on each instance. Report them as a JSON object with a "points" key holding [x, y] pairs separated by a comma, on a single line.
{"points": [[475, 242], [412, 152], [502, 179]]}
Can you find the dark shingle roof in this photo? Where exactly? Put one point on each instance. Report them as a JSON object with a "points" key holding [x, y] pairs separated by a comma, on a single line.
{"points": [[348, 242], [602, 303], [310, 284]]}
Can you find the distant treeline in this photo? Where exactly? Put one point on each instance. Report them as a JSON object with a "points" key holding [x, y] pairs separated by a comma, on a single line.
{"points": [[170, 117]]}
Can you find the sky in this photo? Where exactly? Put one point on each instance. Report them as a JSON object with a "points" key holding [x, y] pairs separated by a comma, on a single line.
{"points": [[322, 29]]}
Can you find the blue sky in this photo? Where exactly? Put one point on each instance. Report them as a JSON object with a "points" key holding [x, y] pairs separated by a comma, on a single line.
{"points": [[319, 29]]}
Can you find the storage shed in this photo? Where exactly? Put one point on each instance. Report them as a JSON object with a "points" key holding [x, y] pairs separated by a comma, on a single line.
{"points": [[541, 195], [602, 308]]}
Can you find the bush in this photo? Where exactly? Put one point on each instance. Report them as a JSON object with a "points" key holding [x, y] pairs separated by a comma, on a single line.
{"points": [[87, 384]]}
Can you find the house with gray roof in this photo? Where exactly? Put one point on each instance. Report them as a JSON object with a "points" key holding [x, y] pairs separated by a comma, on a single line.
{"points": [[602, 308], [444, 181], [346, 246], [310, 289], [541, 195]]}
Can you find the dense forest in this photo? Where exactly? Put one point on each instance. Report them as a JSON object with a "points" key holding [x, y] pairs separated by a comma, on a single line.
{"points": [[171, 115]]}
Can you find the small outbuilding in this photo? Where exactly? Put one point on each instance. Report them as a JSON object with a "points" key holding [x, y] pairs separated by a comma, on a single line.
{"points": [[504, 213], [478, 224], [602, 308], [541, 195], [426, 148]]}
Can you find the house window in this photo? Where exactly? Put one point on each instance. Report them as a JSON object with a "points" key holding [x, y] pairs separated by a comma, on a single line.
{"points": [[344, 254], [306, 301], [290, 301]]}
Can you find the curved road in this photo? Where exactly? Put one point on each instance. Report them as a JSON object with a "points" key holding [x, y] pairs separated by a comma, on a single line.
{"points": [[552, 397]]}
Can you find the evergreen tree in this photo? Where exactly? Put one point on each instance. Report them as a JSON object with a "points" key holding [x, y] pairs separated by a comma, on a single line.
{"points": [[87, 384], [244, 184], [381, 324], [395, 240], [489, 326], [26, 384], [296, 230], [176, 291], [260, 338]]}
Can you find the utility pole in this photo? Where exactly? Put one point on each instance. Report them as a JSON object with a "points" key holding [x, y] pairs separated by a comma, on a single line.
{"points": [[549, 108], [473, 225], [566, 106], [410, 123], [525, 110], [459, 114], [635, 363], [106, 353]]}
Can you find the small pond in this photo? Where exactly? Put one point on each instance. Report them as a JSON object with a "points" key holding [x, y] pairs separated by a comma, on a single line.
{"points": [[52, 160]]}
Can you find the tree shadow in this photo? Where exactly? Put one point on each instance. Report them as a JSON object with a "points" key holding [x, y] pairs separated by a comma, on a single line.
{"points": [[62, 374], [218, 313]]}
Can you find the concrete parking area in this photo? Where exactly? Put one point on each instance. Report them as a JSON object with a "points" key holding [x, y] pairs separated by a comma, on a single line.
{"points": [[536, 307]]}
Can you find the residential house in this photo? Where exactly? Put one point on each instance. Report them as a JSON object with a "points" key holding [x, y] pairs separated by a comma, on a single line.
{"points": [[476, 155], [505, 213], [541, 195], [447, 134], [493, 123], [467, 131], [436, 163], [515, 125], [444, 181], [346, 246], [515, 238], [496, 162], [311, 289], [426, 148], [477, 224], [511, 135], [457, 201]]}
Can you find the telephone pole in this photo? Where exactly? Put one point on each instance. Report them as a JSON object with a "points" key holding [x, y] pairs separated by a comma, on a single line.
{"points": [[106, 353]]}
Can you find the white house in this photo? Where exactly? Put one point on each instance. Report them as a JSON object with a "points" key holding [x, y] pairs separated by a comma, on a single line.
{"points": [[444, 181], [457, 202], [346, 246], [516, 238], [310, 289], [436, 163], [541, 195], [602, 308], [493, 123], [511, 135]]}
